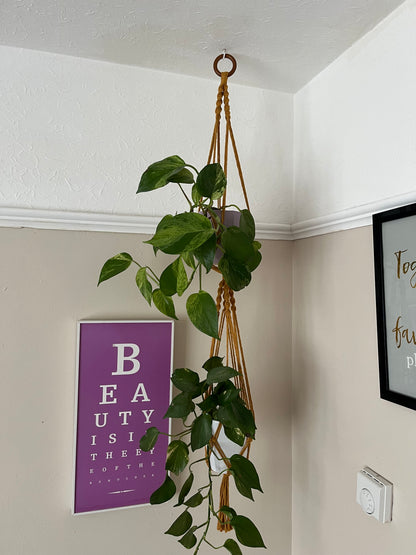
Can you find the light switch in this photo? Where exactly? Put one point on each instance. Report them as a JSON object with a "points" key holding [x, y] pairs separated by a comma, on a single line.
{"points": [[374, 494]]}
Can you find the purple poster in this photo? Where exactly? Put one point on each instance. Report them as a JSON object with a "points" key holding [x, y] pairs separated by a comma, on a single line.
{"points": [[124, 370]]}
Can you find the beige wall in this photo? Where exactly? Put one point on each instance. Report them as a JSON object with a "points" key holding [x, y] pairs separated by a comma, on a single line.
{"points": [[47, 283], [339, 422]]}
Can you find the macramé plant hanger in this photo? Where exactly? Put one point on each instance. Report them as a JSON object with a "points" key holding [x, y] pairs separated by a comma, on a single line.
{"points": [[216, 410], [229, 331]]}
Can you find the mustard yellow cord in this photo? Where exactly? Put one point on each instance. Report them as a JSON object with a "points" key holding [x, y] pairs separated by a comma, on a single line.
{"points": [[228, 328]]}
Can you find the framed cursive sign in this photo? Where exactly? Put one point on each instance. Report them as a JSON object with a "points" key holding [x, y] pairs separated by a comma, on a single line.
{"points": [[123, 388], [394, 233]]}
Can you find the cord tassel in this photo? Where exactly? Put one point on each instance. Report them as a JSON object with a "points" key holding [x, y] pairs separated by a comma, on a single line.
{"points": [[224, 521]]}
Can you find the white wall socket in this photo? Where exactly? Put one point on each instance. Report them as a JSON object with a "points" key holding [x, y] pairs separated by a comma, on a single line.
{"points": [[374, 494]]}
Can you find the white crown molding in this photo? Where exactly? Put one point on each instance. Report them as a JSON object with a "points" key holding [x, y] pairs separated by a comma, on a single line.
{"points": [[115, 223], [76, 221], [358, 216], [274, 232]]}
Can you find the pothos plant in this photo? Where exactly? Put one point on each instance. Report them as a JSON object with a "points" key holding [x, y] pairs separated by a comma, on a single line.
{"points": [[194, 237]]}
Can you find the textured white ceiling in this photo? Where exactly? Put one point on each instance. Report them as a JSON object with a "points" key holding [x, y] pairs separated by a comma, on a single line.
{"points": [[279, 44]]}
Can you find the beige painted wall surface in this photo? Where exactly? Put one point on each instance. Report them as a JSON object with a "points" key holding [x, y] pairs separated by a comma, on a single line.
{"points": [[47, 283], [340, 423]]}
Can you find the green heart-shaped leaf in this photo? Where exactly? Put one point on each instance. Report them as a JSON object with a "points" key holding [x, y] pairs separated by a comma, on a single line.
{"points": [[232, 547], [213, 362], [182, 176], [177, 456], [181, 277], [245, 475], [189, 260], [244, 490], [196, 197], [205, 253], [166, 491], [186, 488], [163, 223], [148, 441], [180, 406], [226, 392], [236, 244], [144, 284], [181, 233], [168, 280], [186, 380], [221, 374], [174, 279], [237, 415], [208, 403], [189, 539], [164, 303], [235, 273], [246, 471], [235, 435], [195, 500], [253, 261], [211, 182], [202, 312], [181, 524], [228, 511], [201, 431], [160, 173], [114, 266], [247, 532], [247, 224]]}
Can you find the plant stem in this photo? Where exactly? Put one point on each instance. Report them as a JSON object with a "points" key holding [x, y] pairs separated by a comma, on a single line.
{"points": [[200, 277], [192, 275], [139, 265], [232, 206], [192, 167], [186, 196], [195, 462], [180, 434], [150, 270], [210, 504], [203, 487], [155, 278], [215, 217]]}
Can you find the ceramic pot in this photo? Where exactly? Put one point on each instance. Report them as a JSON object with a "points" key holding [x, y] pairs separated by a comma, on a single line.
{"points": [[231, 217]]}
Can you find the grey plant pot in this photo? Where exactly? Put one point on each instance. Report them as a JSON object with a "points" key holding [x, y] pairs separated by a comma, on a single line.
{"points": [[231, 218]]}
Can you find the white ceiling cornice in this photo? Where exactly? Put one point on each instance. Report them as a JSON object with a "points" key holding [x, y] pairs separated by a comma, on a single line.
{"points": [[358, 216]]}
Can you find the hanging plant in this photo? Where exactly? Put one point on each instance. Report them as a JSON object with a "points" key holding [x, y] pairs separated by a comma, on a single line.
{"points": [[193, 236], [217, 419]]}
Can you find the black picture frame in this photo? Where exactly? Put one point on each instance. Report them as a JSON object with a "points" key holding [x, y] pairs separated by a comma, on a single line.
{"points": [[394, 237]]}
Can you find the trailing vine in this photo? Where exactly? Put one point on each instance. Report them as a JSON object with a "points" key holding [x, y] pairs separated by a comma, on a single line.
{"points": [[194, 237]]}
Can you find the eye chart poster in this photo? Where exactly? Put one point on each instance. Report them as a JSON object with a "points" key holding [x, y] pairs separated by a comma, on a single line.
{"points": [[124, 370]]}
